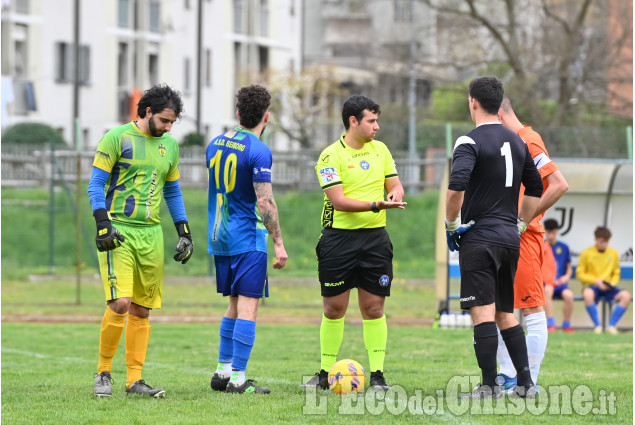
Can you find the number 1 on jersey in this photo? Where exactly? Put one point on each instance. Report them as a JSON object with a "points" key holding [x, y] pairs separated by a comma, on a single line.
{"points": [[509, 169]]}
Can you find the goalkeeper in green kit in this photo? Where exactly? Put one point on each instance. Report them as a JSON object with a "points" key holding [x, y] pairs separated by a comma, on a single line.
{"points": [[136, 165]]}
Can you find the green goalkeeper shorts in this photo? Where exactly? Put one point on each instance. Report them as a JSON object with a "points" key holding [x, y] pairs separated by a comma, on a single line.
{"points": [[135, 269]]}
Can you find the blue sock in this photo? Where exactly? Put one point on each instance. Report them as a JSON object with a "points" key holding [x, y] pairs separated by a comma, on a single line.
{"points": [[244, 336], [551, 321], [566, 324], [617, 315], [226, 348], [593, 312]]}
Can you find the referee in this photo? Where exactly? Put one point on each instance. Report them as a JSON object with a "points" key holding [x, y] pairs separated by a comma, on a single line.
{"points": [[488, 166], [354, 250]]}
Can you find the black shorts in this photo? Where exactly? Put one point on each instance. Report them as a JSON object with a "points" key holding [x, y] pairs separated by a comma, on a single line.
{"points": [[487, 275], [354, 258]]}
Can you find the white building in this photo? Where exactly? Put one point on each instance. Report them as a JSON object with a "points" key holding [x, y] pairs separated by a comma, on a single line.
{"points": [[128, 45]]}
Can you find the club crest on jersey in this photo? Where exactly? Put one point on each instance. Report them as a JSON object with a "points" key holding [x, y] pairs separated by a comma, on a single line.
{"points": [[162, 150], [365, 165], [384, 280]]}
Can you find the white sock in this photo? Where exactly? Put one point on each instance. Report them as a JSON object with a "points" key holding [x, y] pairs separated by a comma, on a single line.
{"points": [[502, 355], [224, 370], [537, 336], [238, 377]]}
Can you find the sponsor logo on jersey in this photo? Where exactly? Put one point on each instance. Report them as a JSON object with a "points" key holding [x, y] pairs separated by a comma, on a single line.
{"points": [[360, 154], [103, 154], [351, 166], [162, 150], [470, 298], [257, 171], [526, 298], [328, 175], [325, 158], [384, 280], [365, 165], [340, 283]]}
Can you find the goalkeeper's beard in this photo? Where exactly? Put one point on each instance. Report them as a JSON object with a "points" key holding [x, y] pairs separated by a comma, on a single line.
{"points": [[153, 128]]}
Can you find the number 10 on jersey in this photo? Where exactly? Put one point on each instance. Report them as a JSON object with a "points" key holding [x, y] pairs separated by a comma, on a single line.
{"points": [[229, 182]]}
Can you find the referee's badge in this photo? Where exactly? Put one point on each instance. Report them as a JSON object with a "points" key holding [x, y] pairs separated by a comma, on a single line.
{"points": [[384, 280], [365, 165]]}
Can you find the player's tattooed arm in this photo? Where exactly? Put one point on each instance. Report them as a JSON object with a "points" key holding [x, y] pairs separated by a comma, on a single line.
{"points": [[268, 210]]}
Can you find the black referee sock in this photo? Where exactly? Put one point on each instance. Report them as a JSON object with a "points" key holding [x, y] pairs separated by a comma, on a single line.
{"points": [[514, 338], [485, 347]]}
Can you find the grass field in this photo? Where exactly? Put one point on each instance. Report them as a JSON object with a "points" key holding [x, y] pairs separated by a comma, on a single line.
{"points": [[48, 366], [25, 215]]}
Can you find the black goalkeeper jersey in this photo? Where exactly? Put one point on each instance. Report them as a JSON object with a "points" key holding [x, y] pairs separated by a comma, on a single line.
{"points": [[489, 164]]}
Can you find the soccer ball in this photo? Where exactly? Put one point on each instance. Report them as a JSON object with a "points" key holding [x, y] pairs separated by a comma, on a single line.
{"points": [[346, 377]]}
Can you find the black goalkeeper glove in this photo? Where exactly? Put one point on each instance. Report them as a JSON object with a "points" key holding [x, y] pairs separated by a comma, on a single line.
{"points": [[108, 237], [185, 246]]}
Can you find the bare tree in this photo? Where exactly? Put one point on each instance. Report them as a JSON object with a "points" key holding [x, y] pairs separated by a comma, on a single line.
{"points": [[304, 103], [564, 47]]}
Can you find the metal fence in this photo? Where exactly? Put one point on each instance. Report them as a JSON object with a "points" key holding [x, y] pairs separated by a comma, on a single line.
{"points": [[38, 166]]}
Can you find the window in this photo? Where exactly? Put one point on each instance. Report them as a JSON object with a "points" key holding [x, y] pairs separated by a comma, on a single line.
{"points": [[155, 16], [20, 37], [263, 59], [122, 65], [239, 11], [403, 10], [186, 73], [21, 6], [65, 63], [208, 67], [124, 13], [153, 69], [264, 18]]}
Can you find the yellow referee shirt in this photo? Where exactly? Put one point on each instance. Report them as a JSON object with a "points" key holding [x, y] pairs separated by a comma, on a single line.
{"points": [[362, 174]]}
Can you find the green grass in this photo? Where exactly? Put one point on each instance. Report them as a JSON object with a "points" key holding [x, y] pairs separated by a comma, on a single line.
{"points": [[26, 240], [47, 374], [47, 367]]}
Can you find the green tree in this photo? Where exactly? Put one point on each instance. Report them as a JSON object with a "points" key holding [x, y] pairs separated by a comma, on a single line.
{"points": [[32, 133]]}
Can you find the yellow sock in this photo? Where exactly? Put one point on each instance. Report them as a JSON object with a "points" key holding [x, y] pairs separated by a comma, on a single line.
{"points": [[137, 337], [111, 328], [375, 337]]}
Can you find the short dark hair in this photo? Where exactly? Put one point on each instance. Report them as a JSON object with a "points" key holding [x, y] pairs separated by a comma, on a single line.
{"points": [[602, 232], [252, 103], [488, 90], [158, 98], [355, 106], [550, 224]]}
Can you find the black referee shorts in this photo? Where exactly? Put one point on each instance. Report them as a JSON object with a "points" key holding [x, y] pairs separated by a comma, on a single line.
{"points": [[354, 258], [487, 275]]}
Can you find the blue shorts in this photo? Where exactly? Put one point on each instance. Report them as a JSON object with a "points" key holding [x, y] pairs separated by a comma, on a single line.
{"points": [[608, 295], [243, 274], [557, 291]]}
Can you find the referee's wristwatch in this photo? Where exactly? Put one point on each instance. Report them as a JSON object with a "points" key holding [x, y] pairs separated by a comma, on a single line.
{"points": [[374, 208]]}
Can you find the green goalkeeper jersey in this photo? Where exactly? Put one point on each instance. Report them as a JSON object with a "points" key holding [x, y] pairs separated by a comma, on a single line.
{"points": [[139, 165]]}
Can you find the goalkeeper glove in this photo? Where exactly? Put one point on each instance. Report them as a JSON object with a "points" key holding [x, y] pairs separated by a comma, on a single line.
{"points": [[454, 229], [185, 246], [522, 226], [108, 237]]}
